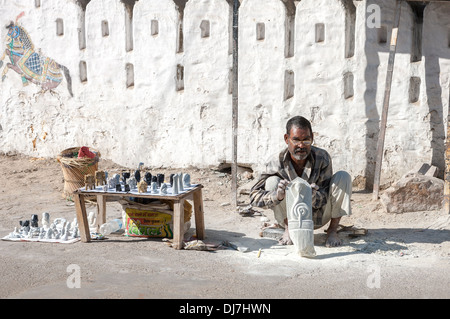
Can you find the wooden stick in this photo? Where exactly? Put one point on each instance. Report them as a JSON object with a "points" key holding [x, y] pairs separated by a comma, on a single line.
{"points": [[446, 202], [235, 102], [198, 211], [387, 95]]}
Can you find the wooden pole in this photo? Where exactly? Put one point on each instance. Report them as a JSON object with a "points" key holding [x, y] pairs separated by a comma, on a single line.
{"points": [[235, 101], [387, 95], [446, 203]]}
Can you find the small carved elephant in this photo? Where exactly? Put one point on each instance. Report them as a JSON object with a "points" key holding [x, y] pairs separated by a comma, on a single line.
{"points": [[100, 178], [89, 181]]}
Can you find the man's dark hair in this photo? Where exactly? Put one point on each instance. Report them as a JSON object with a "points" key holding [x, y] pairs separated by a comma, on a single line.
{"points": [[298, 121]]}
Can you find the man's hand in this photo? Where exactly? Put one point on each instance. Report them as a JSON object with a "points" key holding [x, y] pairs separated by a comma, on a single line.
{"points": [[281, 190]]}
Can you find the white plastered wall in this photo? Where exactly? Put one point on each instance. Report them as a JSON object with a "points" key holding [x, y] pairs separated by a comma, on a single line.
{"points": [[154, 123]]}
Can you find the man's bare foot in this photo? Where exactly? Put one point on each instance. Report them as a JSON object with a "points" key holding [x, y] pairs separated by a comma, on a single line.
{"points": [[333, 239], [285, 239]]}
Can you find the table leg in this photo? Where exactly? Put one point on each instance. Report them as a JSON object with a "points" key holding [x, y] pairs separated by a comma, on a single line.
{"points": [[178, 224], [198, 212], [101, 210], [83, 224]]}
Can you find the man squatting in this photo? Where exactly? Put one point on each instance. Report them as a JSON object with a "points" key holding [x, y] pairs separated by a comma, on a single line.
{"points": [[331, 193]]}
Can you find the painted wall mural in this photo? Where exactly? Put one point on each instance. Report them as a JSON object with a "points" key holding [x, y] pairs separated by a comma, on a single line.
{"points": [[31, 65]]}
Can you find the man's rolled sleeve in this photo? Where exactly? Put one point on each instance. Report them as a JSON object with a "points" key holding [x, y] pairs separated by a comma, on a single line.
{"points": [[260, 197]]}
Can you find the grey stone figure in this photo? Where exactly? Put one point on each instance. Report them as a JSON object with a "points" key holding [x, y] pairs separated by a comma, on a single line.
{"points": [[117, 178], [299, 214], [175, 185], [186, 180], [160, 179], [34, 220], [148, 178], [65, 237], [75, 233], [45, 220], [180, 182], [49, 234], [112, 183], [137, 176], [154, 187], [133, 182], [163, 189]]}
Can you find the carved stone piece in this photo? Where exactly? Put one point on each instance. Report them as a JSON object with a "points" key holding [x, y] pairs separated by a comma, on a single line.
{"points": [[132, 182], [180, 182], [154, 187], [163, 189], [148, 178], [100, 178], [142, 186], [89, 181], [112, 183], [160, 179], [299, 214], [175, 189], [186, 180]]}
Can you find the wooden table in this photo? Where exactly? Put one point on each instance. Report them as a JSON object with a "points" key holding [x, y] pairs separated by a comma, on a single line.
{"points": [[194, 193]]}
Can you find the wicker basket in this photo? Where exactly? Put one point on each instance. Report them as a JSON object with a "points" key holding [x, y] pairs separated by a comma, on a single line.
{"points": [[74, 169]]}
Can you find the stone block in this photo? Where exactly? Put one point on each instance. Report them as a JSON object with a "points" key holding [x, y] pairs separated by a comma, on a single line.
{"points": [[413, 193]]}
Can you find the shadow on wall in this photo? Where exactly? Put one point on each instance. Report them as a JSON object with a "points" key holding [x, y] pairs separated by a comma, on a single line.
{"points": [[420, 50]]}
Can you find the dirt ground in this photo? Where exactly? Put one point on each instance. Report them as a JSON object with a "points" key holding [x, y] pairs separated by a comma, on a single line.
{"points": [[402, 256]]}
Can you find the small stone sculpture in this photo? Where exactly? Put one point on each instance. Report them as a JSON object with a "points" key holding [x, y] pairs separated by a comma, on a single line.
{"points": [[65, 237], [118, 188], [137, 175], [75, 233], [34, 220], [180, 182], [163, 189], [89, 181], [154, 187], [148, 178], [160, 179], [100, 178], [175, 185], [125, 176], [132, 182], [14, 234], [105, 188], [299, 214], [49, 234], [45, 220], [112, 183], [142, 186], [186, 180], [117, 178]]}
